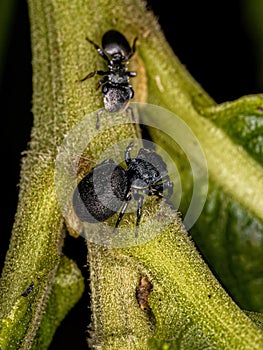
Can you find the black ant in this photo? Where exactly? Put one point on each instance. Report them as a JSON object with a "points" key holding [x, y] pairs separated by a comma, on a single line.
{"points": [[116, 91]]}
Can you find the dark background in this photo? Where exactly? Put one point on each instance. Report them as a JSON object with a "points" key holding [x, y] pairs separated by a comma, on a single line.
{"points": [[211, 39]]}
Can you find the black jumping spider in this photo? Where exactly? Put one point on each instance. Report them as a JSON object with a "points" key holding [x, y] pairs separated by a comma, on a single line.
{"points": [[109, 187]]}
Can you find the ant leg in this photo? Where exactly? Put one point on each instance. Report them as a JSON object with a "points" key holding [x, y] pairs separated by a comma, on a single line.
{"points": [[123, 210], [139, 214], [90, 75], [128, 154], [133, 49], [102, 81], [100, 51]]}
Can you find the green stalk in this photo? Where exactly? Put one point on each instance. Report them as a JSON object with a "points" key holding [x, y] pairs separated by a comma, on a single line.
{"points": [[188, 306]]}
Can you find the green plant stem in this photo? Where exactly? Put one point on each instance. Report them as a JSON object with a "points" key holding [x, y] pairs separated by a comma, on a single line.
{"points": [[190, 307]]}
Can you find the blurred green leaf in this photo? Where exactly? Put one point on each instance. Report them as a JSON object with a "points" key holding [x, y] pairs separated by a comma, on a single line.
{"points": [[7, 12], [252, 18], [235, 244]]}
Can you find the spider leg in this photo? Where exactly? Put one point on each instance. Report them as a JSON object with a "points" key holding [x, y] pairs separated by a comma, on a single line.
{"points": [[131, 74], [132, 114], [123, 210], [100, 51], [167, 184], [170, 187], [128, 154], [98, 118], [157, 189], [139, 213]]}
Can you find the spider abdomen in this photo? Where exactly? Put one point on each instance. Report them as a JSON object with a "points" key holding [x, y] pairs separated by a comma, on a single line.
{"points": [[100, 194]]}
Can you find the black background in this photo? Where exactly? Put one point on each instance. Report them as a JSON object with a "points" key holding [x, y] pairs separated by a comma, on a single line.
{"points": [[211, 39]]}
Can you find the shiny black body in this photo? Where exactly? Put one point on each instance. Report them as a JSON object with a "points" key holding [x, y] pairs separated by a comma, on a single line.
{"points": [[109, 187], [116, 90]]}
